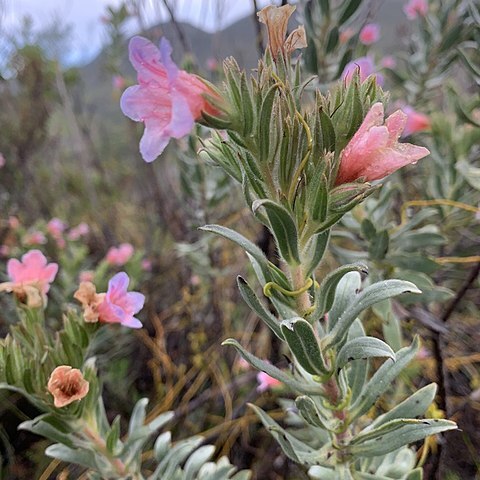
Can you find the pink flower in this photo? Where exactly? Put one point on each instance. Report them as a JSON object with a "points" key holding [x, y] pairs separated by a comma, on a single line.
{"points": [[167, 100], [369, 34], [388, 62], [4, 250], [67, 385], [212, 63], [79, 231], [86, 276], [265, 382], [13, 222], [34, 238], [416, 8], [346, 35], [146, 265], [374, 151], [56, 227], [30, 278], [118, 82], [121, 255], [365, 68], [416, 121], [120, 306]]}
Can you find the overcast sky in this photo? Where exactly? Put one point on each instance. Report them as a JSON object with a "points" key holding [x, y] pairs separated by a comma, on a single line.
{"points": [[84, 17]]}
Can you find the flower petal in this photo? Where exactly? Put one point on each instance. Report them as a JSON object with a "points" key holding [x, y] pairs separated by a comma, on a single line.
{"points": [[145, 58]]}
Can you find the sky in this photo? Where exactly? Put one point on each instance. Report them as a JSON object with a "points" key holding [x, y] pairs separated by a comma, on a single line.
{"points": [[88, 31]]}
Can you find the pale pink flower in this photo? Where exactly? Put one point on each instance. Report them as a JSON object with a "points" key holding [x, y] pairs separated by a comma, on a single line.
{"points": [[374, 151], [416, 121], [81, 230], [67, 385], [4, 250], [2, 161], [346, 35], [212, 63], [56, 227], [89, 298], [167, 100], [118, 82], [120, 306], [369, 34], [119, 256], [416, 8], [388, 62], [86, 276], [266, 382], [13, 222], [35, 238], [423, 353], [242, 364], [30, 278], [146, 265], [364, 66]]}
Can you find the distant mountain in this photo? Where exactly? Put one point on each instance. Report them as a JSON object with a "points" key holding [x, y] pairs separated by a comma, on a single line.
{"points": [[238, 40]]}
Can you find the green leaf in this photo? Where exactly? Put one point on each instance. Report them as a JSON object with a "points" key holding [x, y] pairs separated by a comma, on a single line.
{"points": [[378, 246], [391, 327], [325, 295], [328, 131], [196, 460], [113, 436], [254, 303], [314, 251], [137, 418], [395, 434], [310, 412], [413, 406], [42, 425], [269, 369], [292, 447], [350, 7], [332, 40], [78, 456], [304, 344], [372, 294], [363, 348], [283, 228], [358, 371], [382, 380], [265, 122], [416, 474], [241, 241], [344, 295]]}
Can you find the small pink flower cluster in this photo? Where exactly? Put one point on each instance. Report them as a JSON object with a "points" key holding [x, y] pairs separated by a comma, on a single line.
{"points": [[119, 256], [117, 305], [30, 278]]}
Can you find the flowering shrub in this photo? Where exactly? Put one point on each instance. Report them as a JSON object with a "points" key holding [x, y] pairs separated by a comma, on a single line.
{"points": [[345, 264]]}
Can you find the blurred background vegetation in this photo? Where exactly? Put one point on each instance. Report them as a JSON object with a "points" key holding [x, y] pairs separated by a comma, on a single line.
{"points": [[70, 154]]}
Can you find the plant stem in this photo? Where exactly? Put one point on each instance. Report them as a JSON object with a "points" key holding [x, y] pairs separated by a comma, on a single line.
{"points": [[331, 387]]}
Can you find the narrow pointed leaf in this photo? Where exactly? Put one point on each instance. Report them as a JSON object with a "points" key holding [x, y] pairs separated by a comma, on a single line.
{"points": [[382, 380], [372, 294], [283, 228], [269, 369], [254, 303], [363, 348], [304, 344], [396, 434]]}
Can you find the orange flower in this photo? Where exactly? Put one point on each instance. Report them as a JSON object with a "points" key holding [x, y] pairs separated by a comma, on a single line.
{"points": [[276, 20], [89, 298], [67, 385]]}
